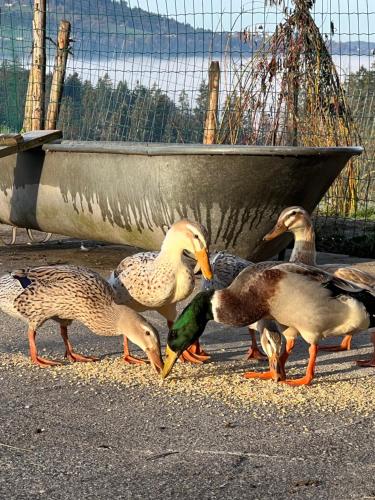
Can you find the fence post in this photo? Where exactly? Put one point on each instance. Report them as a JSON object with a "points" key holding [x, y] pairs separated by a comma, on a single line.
{"points": [[213, 100], [34, 106], [63, 39]]}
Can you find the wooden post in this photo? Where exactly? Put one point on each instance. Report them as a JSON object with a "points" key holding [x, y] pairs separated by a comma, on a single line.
{"points": [[34, 107], [57, 85], [213, 100], [28, 105]]}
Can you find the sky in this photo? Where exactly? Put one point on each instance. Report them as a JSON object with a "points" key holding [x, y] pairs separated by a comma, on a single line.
{"points": [[352, 19]]}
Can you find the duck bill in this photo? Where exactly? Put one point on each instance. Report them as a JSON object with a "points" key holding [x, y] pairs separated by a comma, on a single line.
{"points": [[279, 229], [276, 368], [204, 263], [155, 359], [170, 360]]}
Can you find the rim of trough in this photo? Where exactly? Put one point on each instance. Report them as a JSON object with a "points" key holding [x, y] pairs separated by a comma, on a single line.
{"points": [[155, 149]]}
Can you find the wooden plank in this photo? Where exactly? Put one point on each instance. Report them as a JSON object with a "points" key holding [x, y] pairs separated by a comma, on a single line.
{"points": [[30, 140], [10, 139]]}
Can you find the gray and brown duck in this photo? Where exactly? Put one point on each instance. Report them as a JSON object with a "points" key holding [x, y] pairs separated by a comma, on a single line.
{"points": [[65, 293], [304, 299]]}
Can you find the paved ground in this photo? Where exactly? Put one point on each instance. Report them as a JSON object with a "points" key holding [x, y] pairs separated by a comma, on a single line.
{"points": [[61, 437]]}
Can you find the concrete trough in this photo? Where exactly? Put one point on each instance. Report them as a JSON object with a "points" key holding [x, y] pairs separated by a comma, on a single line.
{"points": [[131, 193]]}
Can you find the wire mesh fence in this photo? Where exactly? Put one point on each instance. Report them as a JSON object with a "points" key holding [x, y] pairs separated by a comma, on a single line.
{"points": [[298, 72]]}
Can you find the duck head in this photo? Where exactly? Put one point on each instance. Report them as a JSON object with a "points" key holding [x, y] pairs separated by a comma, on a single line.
{"points": [[272, 345], [187, 328], [142, 333], [291, 219], [191, 237]]}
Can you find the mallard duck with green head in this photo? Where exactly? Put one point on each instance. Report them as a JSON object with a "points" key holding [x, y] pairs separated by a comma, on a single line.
{"points": [[304, 299]]}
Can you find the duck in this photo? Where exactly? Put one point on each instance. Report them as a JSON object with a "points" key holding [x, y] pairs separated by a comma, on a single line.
{"points": [[65, 293], [160, 280], [271, 342], [296, 219], [305, 300], [226, 267]]}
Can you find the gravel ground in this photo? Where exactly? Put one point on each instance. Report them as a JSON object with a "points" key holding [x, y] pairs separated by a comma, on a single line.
{"points": [[106, 430]]}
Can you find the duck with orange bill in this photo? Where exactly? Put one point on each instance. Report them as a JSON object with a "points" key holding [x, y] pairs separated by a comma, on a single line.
{"points": [[303, 299], [160, 280], [297, 221]]}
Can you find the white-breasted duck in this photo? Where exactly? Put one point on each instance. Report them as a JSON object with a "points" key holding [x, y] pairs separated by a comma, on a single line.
{"points": [[159, 280]]}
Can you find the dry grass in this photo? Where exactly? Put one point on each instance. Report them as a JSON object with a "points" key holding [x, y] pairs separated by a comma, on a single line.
{"points": [[289, 93], [220, 382]]}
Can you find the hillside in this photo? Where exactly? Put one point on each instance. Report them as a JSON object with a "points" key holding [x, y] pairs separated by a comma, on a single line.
{"points": [[112, 28]]}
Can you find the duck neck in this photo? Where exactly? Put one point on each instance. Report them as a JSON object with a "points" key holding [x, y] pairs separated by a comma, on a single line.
{"points": [[171, 250], [103, 320], [192, 321], [200, 308], [304, 246]]}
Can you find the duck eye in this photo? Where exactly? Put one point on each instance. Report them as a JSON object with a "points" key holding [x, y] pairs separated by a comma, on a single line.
{"points": [[147, 332], [196, 236], [293, 213]]}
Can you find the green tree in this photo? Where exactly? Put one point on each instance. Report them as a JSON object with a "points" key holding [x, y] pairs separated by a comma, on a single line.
{"points": [[360, 90], [13, 87]]}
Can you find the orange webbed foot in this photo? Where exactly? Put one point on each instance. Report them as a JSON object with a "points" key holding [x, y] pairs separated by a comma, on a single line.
{"points": [[189, 357], [197, 351], [255, 353], [260, 375], [344, 346], [194, 354], [297, 381], [43, 362], [132, 360], [79, 358], [366, 362]]}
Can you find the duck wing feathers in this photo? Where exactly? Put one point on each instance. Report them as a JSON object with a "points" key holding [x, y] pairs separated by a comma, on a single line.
{"points": [[355, 275], [64, 292], [138, 279], [325, 278], [226, 267]]}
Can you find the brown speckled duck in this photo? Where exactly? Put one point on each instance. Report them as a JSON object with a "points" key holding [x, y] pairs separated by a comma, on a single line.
{"points": [[65, 293], [159, 280], [297, 221], [303, 299]]}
